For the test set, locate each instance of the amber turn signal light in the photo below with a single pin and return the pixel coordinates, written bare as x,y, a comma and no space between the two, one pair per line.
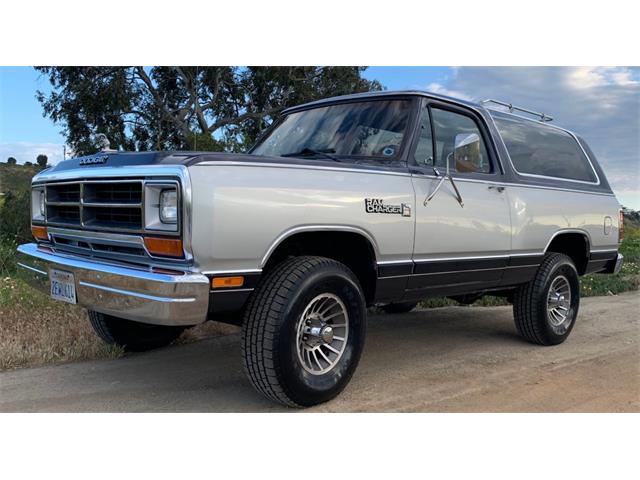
165,247
226,282
40,233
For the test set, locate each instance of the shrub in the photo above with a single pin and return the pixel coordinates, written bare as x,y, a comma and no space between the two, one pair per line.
15,222
7,258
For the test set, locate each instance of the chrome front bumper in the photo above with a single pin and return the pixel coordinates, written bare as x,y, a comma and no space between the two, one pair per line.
139,295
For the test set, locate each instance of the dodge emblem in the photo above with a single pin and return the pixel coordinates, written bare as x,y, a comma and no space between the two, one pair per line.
95,160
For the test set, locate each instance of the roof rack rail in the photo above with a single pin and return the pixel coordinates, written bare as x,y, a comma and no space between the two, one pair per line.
511,107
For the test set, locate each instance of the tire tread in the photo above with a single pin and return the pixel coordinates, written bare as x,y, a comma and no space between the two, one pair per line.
261,324
526,308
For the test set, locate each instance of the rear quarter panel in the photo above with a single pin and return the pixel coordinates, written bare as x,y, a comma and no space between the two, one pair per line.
538,214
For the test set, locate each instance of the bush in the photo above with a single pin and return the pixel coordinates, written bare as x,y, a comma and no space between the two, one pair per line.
15,222
7,258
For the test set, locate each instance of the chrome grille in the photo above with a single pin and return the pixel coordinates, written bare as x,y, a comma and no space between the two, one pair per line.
77,242
106,218
110,205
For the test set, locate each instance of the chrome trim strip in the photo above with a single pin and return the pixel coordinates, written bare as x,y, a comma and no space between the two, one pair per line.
107,205
232,291
226,272
33,269
478,257
445,259
116,172
137,294
446,272
569,230
604,250
91,235
510,184
317,228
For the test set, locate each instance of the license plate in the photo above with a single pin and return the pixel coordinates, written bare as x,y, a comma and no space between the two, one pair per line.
63,286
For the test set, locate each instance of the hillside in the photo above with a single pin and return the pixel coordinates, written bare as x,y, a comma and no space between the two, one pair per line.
16,178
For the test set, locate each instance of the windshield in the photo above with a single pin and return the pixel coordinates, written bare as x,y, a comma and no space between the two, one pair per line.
374,128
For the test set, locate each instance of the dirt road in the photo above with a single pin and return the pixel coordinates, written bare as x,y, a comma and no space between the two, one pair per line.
449,359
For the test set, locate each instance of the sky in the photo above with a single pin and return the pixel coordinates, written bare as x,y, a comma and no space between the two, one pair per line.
602,104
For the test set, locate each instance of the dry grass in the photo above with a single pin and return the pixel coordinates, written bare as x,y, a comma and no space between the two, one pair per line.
35,330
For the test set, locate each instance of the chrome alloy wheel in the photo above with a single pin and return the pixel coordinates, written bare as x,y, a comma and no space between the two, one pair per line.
559,305
322,333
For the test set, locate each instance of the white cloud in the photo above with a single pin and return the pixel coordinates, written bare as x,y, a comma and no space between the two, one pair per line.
601,104
442,90
29,151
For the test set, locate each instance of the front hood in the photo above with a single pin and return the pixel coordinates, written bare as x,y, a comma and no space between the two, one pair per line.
127,159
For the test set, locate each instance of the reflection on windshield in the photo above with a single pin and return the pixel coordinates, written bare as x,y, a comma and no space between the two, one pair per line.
367,129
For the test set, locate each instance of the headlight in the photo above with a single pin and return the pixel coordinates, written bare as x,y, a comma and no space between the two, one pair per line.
169,206
38,205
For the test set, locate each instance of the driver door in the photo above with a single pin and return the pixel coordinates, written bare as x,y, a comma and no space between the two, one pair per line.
460,246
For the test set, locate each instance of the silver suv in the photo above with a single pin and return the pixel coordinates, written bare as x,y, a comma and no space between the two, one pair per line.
373,199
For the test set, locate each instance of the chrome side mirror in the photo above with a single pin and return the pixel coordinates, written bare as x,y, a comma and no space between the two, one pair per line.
466,152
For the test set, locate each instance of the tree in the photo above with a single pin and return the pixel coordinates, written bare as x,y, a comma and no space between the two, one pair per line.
42,160
217,108
11,161
28,164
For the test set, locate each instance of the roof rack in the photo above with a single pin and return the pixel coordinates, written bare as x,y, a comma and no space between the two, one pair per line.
511,107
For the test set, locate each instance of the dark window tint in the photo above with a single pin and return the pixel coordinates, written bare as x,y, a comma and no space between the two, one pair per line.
458,138
538,149
424,149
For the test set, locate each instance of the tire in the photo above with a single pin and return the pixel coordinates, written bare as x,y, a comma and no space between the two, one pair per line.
533,302
402,307
132,336
276,345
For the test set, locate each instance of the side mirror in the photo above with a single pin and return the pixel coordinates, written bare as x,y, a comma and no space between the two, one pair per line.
466,153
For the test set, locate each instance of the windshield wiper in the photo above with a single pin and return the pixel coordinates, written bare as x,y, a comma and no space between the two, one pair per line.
306,152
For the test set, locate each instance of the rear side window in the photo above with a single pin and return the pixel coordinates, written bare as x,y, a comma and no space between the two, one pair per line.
537,149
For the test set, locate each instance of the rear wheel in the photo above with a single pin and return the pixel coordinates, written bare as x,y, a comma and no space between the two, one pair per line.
546,308
132,336
304,330
402,307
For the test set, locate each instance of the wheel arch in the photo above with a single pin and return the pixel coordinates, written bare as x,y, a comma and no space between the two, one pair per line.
575,243
353,246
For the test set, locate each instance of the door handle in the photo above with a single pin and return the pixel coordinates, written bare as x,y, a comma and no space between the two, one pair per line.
497,188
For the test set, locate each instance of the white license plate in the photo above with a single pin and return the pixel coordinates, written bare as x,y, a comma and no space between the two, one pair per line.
63,286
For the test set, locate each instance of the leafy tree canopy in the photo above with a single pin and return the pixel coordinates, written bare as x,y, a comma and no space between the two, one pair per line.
42,160
11,161
164,108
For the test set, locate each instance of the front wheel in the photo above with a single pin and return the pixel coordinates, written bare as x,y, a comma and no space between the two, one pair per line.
304,331
132,336
545,309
